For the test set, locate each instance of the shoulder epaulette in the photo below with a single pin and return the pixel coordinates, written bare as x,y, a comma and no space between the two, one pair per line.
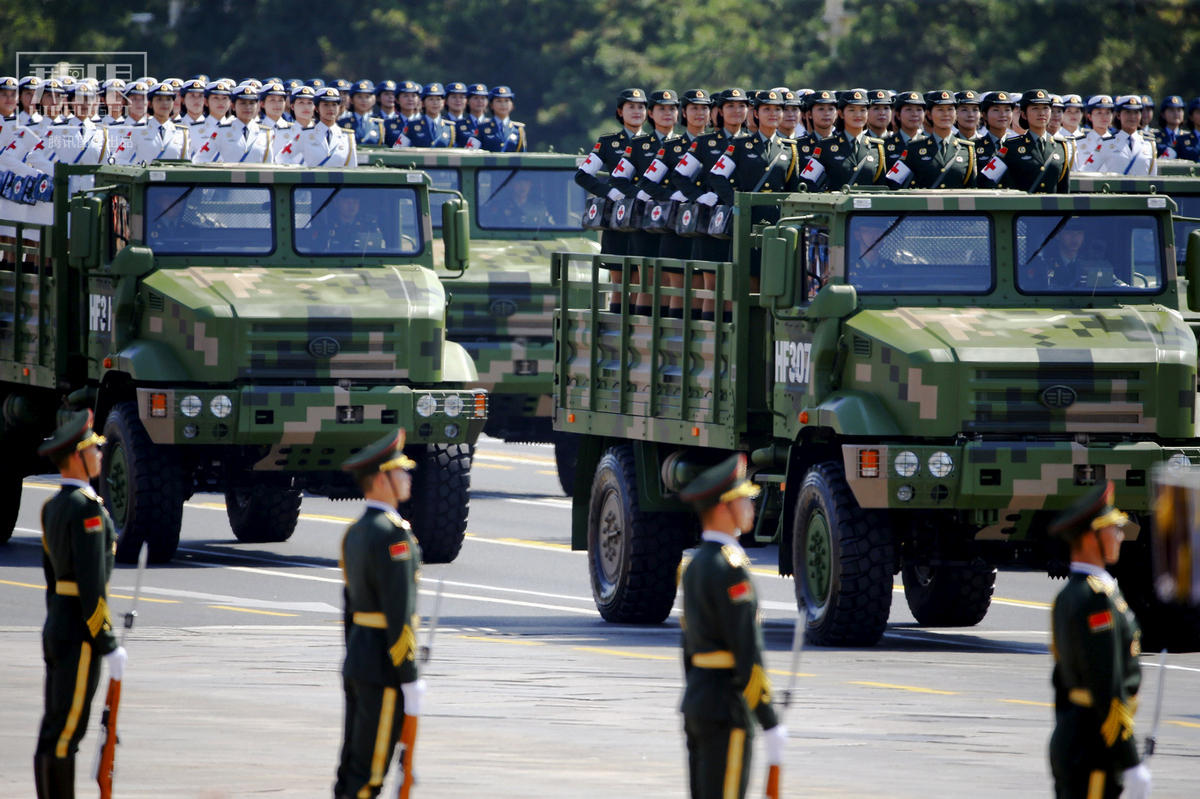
736,558
1099,586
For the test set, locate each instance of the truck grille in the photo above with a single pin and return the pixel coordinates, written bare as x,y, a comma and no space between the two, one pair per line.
317,348
1056,398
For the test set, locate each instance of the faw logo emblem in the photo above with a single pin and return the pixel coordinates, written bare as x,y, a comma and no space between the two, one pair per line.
1058,397
502,308
324,347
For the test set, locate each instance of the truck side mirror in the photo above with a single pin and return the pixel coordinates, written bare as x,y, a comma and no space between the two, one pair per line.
777,287
1192,270
456,233
85,231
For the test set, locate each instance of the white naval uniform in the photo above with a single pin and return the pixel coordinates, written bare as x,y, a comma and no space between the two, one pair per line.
78,142
234,142
326,146
1088,151
153,141
285,143
1125,154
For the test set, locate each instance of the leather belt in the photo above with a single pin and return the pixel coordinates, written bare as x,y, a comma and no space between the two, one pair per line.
720,659
364,619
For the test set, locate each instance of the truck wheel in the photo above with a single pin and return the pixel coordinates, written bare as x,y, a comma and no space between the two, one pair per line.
842,556
10,503
262,514
142,487
566,452
949,596
633,556
441,486
1164,624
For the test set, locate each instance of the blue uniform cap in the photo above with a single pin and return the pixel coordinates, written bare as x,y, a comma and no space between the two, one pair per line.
433,90
342,85
316,83
201,77
385,86
501,91
1171,101
408,87
456,87
363,87
477,90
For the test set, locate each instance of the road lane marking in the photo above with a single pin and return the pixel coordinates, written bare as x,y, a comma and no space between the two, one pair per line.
548,472
146,599
1185,724
500,639
916,689
492,456
22,585
545,503
783,673
493,466
252,610
246,602
624,653
1027,702
110,596
543,594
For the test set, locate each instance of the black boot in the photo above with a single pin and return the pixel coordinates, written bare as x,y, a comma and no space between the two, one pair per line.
41,774
62,778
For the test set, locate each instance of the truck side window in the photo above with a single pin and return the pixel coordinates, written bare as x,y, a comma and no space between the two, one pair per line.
118,224
815,246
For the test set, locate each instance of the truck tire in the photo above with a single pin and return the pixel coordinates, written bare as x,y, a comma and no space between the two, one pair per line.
566,453
441,487
10,503
633,556
262,514
842,556
949,595
1164,624
142,486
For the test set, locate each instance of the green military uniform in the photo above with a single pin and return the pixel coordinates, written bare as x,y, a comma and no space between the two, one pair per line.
1096,643
380,561
933,163
660,187
78,546
845,160
727,684
1036,165
606,154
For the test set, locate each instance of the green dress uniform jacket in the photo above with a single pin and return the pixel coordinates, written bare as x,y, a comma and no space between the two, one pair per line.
1096,643
610,149
727,684
895,144
380,560
759,164
986,146
950,165
78,546
1036,165
707,148
847,161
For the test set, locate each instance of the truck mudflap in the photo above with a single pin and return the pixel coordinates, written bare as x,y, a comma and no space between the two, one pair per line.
309,427
1012,476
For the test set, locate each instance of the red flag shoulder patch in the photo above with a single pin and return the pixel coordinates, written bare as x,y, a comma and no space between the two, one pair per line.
93,524
740,592
400,551
1098,622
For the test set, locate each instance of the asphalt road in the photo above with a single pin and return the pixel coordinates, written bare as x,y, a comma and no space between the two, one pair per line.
233,686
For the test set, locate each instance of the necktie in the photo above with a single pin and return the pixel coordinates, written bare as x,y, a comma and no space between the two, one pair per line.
328,136
245,132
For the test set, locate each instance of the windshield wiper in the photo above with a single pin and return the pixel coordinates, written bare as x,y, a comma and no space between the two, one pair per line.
178,200
883,235
321,208
512,174
1047,240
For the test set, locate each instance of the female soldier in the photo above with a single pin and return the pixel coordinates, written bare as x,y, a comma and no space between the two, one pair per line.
500,134
1128,151
1099,114
1173,140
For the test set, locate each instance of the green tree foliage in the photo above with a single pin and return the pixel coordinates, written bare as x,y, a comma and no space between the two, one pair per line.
567,59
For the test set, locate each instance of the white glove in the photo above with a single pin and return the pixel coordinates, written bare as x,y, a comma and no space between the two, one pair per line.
115,660
708,198
643,196
1137,782
775,739
678,197
413,692
615,195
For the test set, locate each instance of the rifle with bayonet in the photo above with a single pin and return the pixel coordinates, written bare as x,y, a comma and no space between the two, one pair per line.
107,755
408,731
774,771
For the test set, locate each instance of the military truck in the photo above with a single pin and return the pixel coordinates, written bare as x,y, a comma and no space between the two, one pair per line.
524,206
241,330
918,389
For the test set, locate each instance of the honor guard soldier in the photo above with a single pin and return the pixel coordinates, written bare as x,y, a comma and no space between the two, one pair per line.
380,562
997,108
80,140
53,104
654,182
344,87
1174,141
688,177
1095,643
822,107
1033,161
430,129
407,97
1069,130
273,99
27,100
478,95
466,124
500,134
939,159
850,156
967,115
218,94
193,118
909,113
113,93
304,106
606,155
1129,151
158,138
325,144
137,103
385,100
456,101
78,546
239,139
1099,115
879,113
366,129
727,686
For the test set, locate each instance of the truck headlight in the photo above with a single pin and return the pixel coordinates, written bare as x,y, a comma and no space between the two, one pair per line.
941,464
190,406
426,405
221,406
453,405
907,463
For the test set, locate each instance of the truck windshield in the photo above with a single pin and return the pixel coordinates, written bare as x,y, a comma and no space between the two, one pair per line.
529,199
1188,206
356,220
919,254
1088,254
227,220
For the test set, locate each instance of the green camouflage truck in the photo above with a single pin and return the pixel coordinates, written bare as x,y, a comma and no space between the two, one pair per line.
240,330
524,206
920,384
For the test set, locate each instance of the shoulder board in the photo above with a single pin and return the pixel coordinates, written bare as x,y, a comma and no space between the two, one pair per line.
1098,585
736,559
283,123
91,494
225,123
518,124
964,142
1012,137
873,140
